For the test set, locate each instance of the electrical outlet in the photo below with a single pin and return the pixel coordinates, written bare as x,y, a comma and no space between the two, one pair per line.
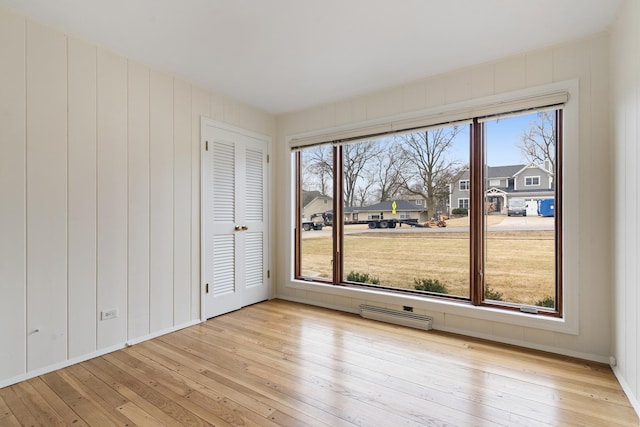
109,314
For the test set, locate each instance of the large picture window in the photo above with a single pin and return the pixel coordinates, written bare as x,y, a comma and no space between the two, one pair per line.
486,234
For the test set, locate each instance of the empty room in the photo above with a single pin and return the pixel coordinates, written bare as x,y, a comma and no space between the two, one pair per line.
336,213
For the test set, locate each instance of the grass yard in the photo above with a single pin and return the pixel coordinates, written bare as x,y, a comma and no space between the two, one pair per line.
519,264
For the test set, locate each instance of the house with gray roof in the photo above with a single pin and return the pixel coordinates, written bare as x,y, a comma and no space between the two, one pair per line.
314,202
530,182
389,209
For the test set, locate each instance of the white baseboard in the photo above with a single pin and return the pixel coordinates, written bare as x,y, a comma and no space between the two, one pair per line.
93,354
519,343
633,399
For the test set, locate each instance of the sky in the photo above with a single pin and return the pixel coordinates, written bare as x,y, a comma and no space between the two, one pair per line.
502,138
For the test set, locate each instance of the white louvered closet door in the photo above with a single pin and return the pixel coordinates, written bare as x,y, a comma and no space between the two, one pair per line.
234,254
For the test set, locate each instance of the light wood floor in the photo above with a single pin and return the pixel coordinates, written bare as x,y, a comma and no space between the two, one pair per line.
280,363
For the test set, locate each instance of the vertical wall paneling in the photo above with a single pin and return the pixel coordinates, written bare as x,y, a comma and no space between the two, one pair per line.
625,105
99,197
161,201
199,108
138,209
12,191
181,202
112,197
82,197
46,81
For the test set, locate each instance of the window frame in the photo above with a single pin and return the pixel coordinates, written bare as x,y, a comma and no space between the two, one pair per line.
475,205
532,177
467,185
571,249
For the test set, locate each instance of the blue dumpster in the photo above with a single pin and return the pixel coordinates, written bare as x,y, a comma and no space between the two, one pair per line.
546,207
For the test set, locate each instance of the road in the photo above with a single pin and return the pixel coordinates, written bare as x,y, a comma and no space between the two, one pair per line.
508,223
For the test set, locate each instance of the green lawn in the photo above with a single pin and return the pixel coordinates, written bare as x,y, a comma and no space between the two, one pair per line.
520,265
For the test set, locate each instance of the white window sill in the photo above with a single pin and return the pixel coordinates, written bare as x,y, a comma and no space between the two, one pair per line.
443,306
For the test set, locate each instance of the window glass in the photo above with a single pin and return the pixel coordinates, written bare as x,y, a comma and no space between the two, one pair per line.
520,231
531,181
407,206
405,245
315,243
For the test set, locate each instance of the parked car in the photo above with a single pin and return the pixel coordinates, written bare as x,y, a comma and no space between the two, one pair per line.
517,207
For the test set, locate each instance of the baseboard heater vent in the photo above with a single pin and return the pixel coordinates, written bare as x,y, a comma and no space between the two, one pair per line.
399,317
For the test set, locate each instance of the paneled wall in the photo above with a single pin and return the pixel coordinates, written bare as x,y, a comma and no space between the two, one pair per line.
625,77
585,61
99,197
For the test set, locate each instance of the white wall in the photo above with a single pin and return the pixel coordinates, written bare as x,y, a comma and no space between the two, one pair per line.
625,77
99,197
585,60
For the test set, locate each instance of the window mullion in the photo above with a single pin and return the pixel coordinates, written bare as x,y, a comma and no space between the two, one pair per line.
338,223
559,211
298,214
476,212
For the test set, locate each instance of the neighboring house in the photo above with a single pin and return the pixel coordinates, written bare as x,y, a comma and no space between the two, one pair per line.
413,199
404,209
442,204
315,202
529,182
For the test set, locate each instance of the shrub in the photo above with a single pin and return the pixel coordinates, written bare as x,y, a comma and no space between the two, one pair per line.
459,211
430,285
355,276
492,294
547,301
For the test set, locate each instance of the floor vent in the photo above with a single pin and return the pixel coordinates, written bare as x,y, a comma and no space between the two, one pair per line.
399,317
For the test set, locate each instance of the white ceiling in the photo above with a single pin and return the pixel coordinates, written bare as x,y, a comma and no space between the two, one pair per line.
286,55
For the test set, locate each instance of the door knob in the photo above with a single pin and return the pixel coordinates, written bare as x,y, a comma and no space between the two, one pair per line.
244,228
237,228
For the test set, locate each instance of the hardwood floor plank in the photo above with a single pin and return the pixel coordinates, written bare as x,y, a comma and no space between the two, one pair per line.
232,385
104,397
280,363
364,406
67,415
508,392
405,396
143,395
161,356
175,389
236,376
86,408
137,415
19,410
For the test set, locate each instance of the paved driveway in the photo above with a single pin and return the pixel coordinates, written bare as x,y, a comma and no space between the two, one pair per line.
514,223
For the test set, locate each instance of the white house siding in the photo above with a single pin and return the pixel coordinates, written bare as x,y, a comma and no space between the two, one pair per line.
100,185
317,205
585,60
622,214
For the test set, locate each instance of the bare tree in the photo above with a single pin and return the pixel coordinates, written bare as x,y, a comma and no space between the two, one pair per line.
317,169
364,193
429,164
355,160
538,144
388,170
